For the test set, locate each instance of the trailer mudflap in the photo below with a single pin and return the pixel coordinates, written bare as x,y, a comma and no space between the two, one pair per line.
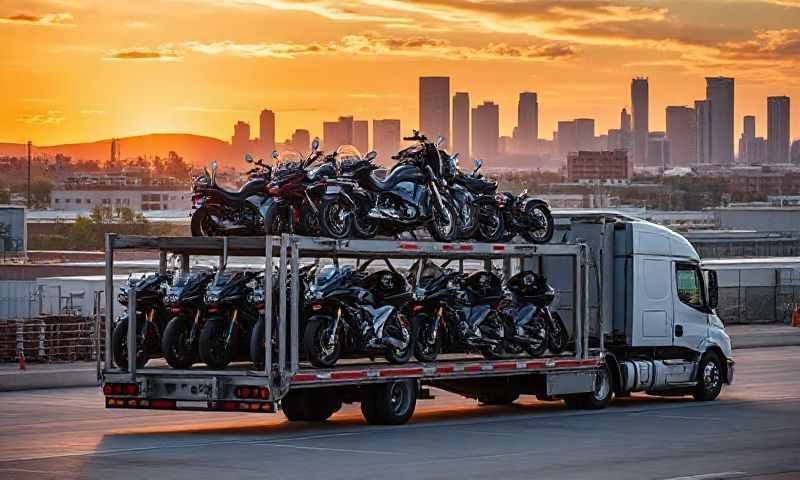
572,382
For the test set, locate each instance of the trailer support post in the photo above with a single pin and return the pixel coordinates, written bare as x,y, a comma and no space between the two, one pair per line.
184,262
295,306
162,262
577,305
132,320
282,309
109,297
268,311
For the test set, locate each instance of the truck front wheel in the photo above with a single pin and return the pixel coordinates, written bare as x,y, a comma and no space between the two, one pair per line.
598,398
709,378
390,404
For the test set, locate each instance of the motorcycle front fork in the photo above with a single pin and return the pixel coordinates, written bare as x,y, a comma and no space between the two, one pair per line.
231,329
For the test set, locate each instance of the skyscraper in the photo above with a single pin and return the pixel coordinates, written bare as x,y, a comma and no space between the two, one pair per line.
640,101
749,126
702,113
778,129
266,129
658,150
625,141
241,138
719,93
434,107
584,133
682,135
485,131
527,122
361,136
461,124
385,138
746,140
567,138
301,141
335,134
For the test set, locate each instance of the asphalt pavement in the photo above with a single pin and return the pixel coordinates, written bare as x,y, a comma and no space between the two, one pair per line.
752,431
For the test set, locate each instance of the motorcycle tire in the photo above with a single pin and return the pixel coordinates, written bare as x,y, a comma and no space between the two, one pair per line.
424,351
491,225
468,225
336,219
498,351
213,350
396,328
309,221
542,212
436,229
538,326
558,336
316,327
258,344
119,347
274,221
363,227
200,223
178,353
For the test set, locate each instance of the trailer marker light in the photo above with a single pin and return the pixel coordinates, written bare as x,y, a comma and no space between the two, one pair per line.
107,389
117,388
264,392
131,389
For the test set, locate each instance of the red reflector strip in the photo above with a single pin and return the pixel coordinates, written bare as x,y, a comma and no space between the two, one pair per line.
348,375
399,372
472,368
465,247
304,377
164,404
536,364
408,246
568,363
498,248
444,369
505,366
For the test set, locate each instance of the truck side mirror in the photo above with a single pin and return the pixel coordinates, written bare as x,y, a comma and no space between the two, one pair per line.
713,289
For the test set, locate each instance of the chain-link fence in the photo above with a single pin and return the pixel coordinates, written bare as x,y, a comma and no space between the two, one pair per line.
758,295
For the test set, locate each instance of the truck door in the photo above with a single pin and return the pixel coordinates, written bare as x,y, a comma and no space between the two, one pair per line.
690,319
653,302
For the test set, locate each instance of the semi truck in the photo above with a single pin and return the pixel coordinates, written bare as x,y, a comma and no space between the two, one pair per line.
637,303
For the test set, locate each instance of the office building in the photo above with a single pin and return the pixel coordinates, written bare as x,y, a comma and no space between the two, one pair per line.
386,138
658,150
301,141
527,131
434,107
335,134
584,134
614,140
567,137
461,124
719,94
240,141
266,129
361,136
485,131
598,166
702,115
682,135
640,102
747,142
625,139
778,129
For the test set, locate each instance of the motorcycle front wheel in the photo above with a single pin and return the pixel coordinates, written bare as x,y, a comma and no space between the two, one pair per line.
315,342
557,337
425,350
501,328
542,214
398,328
335,218
444,226
491,226
537,334
119,344
363,227
178,351
214,350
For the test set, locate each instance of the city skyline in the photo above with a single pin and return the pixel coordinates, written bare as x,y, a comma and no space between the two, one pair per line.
79,71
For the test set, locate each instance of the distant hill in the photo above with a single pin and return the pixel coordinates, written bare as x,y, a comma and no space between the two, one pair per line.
198,149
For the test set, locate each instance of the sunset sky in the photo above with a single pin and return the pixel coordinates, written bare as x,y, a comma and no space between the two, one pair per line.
81,70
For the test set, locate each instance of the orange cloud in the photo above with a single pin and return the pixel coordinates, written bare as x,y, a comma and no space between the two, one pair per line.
50,19
51,117
144,54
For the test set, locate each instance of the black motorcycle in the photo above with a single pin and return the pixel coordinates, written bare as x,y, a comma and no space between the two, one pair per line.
225,337
526,216
151,319
458,312
413,194
185,302
345,204
356,312
531,300
480,192
221,212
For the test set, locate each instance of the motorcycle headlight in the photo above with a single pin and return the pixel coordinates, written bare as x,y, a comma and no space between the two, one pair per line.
211,297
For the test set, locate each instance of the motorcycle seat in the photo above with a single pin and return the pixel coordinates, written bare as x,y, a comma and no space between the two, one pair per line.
252,187
396,175
477,185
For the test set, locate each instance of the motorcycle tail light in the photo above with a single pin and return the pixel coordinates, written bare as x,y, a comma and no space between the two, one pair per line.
213,309
175,310
418,308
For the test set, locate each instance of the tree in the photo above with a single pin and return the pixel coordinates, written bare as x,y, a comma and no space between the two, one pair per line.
100,215
175,166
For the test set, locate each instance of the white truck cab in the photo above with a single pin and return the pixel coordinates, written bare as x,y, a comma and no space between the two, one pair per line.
652,304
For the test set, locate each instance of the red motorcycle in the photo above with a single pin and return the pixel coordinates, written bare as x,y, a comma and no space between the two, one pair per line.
295,192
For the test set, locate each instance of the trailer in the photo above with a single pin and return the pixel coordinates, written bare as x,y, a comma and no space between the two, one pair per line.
639,307
387,393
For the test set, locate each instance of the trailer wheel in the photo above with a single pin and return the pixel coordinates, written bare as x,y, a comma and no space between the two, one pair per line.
598,398
299,406
709,378
390,404
498,398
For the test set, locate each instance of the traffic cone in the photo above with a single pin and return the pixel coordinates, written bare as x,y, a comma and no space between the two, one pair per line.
22,360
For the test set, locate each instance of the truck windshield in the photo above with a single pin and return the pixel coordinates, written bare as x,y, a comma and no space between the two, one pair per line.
690,290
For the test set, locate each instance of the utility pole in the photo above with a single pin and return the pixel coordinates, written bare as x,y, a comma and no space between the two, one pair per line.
29,174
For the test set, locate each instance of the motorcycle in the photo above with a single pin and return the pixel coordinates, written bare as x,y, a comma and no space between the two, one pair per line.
527,216
225,336
466,201
530,307
345,205
151,319
481,193
458,312
184,300
357,312
410,197
295,191
221,212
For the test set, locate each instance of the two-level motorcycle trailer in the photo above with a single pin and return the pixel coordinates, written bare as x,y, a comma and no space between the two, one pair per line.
387,392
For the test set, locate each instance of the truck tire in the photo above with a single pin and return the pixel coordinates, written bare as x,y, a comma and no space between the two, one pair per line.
709,378
598,398
390,403
503,397
300,406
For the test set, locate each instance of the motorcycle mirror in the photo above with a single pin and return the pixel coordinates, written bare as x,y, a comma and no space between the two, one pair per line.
439,141
213,165
371,155
275,154
315,144
478,164
454,157
248,158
